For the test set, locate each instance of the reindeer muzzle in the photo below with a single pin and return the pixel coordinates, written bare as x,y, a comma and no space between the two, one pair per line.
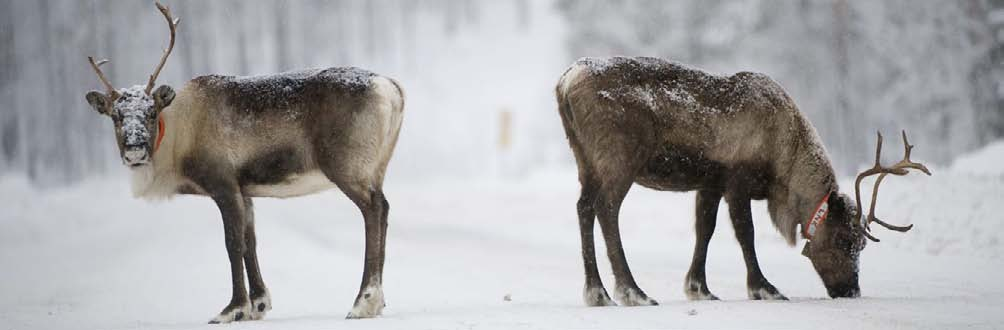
135,156
848,291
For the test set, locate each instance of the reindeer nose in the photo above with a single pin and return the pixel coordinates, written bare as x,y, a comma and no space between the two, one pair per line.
134,156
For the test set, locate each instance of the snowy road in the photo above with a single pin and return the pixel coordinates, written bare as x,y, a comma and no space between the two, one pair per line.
91,257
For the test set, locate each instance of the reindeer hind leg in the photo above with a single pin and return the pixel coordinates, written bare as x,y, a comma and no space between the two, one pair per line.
616,179
695,285
594,293
368,196
369,301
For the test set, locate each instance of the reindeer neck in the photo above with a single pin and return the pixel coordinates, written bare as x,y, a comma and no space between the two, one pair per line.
803,181
816,179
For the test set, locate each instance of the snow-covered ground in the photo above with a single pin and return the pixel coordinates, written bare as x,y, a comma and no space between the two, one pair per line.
91,257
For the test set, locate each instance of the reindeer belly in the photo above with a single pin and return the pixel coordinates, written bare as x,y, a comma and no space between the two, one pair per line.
282,172
292,186
678,169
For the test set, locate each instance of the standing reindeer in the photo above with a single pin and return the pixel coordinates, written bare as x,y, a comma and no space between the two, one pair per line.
669,127
234,138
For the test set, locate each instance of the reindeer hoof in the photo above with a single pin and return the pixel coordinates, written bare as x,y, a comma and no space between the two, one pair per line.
766,293
634,297
368,304
233,313
260,306
698,291
595,297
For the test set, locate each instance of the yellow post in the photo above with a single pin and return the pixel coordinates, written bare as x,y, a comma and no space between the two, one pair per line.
505,129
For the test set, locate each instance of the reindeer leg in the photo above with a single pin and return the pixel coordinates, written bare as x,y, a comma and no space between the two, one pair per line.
742,221
608,210
212,176
695,285
382,207
261,301
234,224
594,293
369,301
383,231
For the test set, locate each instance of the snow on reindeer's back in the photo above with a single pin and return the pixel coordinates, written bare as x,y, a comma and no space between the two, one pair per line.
288,89
656,83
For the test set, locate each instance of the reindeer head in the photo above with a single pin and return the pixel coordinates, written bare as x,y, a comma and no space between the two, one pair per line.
836,245
135,110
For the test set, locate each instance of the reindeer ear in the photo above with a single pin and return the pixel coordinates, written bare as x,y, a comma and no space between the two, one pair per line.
98,101
163,96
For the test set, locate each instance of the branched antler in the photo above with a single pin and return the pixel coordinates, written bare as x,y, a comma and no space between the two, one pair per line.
899,169
112,93
172,23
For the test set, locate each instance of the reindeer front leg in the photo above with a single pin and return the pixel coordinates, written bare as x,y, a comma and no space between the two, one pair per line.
217,180
261,301
232,209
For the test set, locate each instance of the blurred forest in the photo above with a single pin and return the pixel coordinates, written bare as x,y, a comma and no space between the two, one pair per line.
51,134
935,68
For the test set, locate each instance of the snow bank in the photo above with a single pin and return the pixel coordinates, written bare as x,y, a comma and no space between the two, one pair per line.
956,211
987,161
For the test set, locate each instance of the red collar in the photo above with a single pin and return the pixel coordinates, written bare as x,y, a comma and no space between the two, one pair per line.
160,133
818,216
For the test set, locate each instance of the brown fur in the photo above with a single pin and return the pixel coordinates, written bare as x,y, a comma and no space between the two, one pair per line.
666,126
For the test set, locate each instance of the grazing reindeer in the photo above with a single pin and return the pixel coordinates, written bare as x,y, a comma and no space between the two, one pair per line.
234,138
669,127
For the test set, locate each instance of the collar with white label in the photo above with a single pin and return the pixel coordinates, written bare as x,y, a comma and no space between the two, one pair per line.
818,216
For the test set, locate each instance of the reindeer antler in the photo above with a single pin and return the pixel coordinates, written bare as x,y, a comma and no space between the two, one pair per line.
899,169
172,23
112,93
